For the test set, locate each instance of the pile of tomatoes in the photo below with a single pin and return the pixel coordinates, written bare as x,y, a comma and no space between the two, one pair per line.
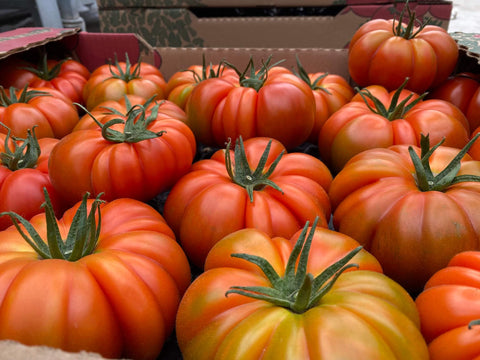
245,212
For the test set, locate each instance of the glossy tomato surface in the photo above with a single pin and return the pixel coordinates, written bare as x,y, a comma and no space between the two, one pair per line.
119,301
364,315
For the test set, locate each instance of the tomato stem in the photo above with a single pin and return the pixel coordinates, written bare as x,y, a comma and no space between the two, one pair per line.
395,110
303,74
42,70
426,180
407,32
243,175
81,239
23,156
297,290
252,78
135,126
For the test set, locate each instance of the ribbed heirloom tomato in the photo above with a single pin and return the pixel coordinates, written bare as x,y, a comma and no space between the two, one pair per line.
270,102
314,296
385,52
112,82
449,310
24,176
138,155
330,91
376,117
412,208
105,278
180,84
68,76
220,195
462,90
53,114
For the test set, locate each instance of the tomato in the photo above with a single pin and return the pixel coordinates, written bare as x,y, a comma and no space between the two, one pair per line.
112,82
463,90
180,85
119,109
68,76
24,175
412,208
217,197
253,302
385,52
49,110
111,287
268,103
448,308
376,117
331,92
138,156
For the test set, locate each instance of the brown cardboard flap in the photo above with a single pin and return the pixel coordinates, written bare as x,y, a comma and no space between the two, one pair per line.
95,49
334,61
22,39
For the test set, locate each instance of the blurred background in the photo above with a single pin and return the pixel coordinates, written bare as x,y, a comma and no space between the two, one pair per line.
84,14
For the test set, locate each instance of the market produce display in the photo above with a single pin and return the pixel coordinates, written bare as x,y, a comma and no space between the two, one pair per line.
245,210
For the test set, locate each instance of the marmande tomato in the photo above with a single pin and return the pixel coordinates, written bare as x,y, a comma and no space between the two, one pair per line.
109,286
112,82
68,76
412,208
137,156
462,90
180,84
449,311
270,102
53,114
220,195
24,176
254,302
385,52
376,117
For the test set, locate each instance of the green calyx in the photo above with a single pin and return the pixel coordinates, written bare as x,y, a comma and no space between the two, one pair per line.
82,237
407,31
297,290
25,152
129,73
42,70
473,323
252,78
242,173
396,110
207,71
25,96
303,74
135,125
426,180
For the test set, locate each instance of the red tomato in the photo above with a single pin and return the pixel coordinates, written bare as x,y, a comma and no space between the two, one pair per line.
115,294
216,198
463,90
112,82
385,52
381,118
180,85
413,217
447,307
138,157
49,110
331,92
68,76
23,177
224,315
268,103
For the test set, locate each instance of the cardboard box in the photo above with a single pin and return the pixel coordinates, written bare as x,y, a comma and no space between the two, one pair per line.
95,49
249,23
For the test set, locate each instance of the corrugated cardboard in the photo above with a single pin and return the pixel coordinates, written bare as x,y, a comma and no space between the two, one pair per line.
268,23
